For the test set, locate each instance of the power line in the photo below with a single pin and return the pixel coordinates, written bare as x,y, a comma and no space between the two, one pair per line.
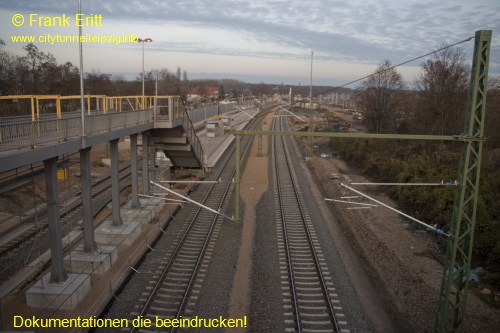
395,66
379,72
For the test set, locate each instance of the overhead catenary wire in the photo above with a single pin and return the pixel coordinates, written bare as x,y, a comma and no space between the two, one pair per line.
351,202
243,110
192,181
438,231
395,66
446,184
193,201
356,208
389,68
166,199
293,114
257,116
373,74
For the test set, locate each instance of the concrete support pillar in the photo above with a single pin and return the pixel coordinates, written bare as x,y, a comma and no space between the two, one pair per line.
89,244
133,161
145,163
115,183
58,274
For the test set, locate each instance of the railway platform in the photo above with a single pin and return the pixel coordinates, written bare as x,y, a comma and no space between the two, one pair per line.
215,146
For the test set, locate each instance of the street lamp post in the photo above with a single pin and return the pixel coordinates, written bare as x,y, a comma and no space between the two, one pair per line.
80,53
145,40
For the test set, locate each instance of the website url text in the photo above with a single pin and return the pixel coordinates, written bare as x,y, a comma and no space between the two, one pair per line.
85,38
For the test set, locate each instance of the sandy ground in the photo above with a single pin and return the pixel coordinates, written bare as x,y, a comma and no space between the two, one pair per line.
254,183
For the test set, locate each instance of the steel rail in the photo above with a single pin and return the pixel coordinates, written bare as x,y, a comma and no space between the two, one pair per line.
300,205
285,239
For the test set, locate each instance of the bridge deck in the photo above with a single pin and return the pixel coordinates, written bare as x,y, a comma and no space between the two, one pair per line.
36,137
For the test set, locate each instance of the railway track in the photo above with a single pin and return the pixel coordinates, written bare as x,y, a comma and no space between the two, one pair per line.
309,297
33,239
173,288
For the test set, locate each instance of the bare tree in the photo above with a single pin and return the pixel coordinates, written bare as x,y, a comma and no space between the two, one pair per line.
494,82
261,89
381,97
492,113
98,83
443,86
7,72
34,58
168,83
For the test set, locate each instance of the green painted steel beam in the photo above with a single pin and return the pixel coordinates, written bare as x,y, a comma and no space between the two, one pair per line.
454,287
458,138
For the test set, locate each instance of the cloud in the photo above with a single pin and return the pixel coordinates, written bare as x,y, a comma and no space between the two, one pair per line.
355,31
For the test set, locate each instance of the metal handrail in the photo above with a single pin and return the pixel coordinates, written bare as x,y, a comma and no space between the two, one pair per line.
19,132
26,131
190,131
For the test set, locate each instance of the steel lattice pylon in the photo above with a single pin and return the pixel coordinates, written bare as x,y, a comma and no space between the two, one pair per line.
453,297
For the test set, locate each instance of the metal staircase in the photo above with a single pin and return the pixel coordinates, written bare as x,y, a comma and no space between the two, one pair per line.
180,144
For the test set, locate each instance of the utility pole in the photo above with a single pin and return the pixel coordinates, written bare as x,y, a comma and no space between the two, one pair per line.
80,53
310,138
454,287
142,41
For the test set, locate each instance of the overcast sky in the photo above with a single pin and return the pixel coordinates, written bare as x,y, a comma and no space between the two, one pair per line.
261,41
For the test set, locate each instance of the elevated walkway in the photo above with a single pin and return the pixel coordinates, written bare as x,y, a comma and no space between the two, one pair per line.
39,136
115,244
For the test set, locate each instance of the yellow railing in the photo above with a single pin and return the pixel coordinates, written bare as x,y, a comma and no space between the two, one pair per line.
92,102
16,97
